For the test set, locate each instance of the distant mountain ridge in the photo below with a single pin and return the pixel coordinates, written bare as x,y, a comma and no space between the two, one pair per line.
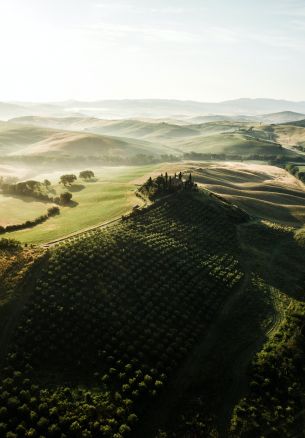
149,108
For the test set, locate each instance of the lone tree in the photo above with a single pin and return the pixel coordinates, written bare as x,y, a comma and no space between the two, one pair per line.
86,174
67,179
65,198
47,183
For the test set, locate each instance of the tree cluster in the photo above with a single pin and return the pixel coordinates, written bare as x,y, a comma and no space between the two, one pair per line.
166,184
86,174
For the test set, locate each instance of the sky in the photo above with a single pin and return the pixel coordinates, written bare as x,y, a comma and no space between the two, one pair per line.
203,50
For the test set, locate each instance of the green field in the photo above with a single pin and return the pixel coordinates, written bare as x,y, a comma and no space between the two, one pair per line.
229,143
110,196
16,210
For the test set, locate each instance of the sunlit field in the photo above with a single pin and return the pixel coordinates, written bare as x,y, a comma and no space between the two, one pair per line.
16,210
111,195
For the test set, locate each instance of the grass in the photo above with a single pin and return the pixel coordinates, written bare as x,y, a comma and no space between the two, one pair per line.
290,135
112,195
262,190
233,143
16,210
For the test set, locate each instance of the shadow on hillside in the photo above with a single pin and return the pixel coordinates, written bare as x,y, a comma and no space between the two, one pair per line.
27,199
92,180
72,204
276,256
76,187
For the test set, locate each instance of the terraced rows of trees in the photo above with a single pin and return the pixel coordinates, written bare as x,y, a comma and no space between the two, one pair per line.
112,317
275,404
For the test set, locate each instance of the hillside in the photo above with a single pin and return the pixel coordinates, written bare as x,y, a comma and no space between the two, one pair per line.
230,143
131,324
114,109
299,123
75,123
145,130
282,117
262,191
79,144
149,129
124,138
29,140
14,137
290,134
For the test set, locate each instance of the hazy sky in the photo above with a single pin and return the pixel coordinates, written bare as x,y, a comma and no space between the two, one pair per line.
206,50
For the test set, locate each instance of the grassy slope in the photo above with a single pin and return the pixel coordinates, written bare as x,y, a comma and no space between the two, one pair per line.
135,136
14,137
263,191
111,196
161,131
16,210
136,292
290,135
34,140
204,234
67,123
299,123
229,143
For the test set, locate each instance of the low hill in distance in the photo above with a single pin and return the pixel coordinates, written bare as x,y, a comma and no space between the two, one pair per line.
300,123
148,129
15,137
75,123
281,117
112,109
221,136
29,140
231,143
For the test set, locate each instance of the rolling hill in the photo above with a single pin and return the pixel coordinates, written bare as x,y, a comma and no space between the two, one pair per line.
111,109
151,130
231,143
282,117
28,140
15,137
136,329
300,123
75,123
263,191
291,134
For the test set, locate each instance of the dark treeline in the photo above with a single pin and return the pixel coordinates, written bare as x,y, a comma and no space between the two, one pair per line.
295,170
271,158
52,211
